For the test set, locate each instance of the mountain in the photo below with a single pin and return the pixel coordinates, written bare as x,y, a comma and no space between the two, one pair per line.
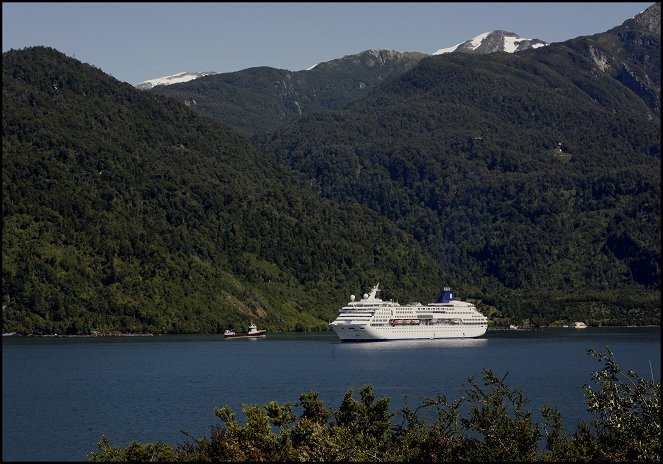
533,178
528,181
629,53
494,41
258,99
488,42
126,211
174,79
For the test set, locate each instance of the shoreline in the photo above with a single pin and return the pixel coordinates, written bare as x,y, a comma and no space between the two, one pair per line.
93,335
121,334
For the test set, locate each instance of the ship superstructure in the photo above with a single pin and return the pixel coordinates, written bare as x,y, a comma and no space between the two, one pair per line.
372,319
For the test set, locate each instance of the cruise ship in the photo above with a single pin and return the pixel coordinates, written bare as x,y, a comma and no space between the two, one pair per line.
371,319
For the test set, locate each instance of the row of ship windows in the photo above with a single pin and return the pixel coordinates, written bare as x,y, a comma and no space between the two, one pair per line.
439,320
408,317
382,324
460,329
406,310
411,314
368,318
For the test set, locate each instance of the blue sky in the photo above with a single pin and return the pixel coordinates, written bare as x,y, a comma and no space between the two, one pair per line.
135,42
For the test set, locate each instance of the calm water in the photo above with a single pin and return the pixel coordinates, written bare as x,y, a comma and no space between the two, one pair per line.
60,395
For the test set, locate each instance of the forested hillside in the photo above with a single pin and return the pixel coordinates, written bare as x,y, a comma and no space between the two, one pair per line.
533,178
530,182
126,211
260,99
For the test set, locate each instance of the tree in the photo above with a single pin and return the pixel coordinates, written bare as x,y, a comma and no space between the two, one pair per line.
496,427
628,426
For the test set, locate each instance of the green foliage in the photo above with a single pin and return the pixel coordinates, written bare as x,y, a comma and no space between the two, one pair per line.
257,100
628,426
522,174
490,424
125,211
498,415
362,426
137,452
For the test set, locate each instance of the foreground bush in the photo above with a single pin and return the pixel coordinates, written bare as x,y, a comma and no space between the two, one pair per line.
491,424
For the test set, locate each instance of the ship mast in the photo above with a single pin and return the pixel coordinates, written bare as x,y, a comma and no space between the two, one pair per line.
374,292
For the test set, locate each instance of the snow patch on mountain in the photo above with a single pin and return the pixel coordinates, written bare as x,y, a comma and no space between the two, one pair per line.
174,79
488,42
478,40
493,41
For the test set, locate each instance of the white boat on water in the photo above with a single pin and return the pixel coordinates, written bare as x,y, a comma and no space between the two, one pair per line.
372,319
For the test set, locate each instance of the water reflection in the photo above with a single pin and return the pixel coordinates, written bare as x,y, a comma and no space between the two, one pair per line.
425,343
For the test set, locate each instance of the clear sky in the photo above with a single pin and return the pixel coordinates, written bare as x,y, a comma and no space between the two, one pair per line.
135,42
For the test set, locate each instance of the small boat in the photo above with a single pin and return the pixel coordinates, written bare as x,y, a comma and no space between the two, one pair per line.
252,333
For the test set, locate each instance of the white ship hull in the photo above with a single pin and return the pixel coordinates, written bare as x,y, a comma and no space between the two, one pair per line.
372,319
364,333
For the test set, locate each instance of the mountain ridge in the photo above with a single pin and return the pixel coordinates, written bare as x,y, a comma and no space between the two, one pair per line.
488,42
257,100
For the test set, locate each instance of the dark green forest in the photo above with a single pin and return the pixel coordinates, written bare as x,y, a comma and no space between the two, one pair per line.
128,212
259,99
532,178
529,182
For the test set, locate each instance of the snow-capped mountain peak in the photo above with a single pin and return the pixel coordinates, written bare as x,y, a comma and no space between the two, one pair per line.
174,79
488,42
494,41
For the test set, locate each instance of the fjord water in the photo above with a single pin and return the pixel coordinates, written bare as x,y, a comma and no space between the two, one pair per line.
60,395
